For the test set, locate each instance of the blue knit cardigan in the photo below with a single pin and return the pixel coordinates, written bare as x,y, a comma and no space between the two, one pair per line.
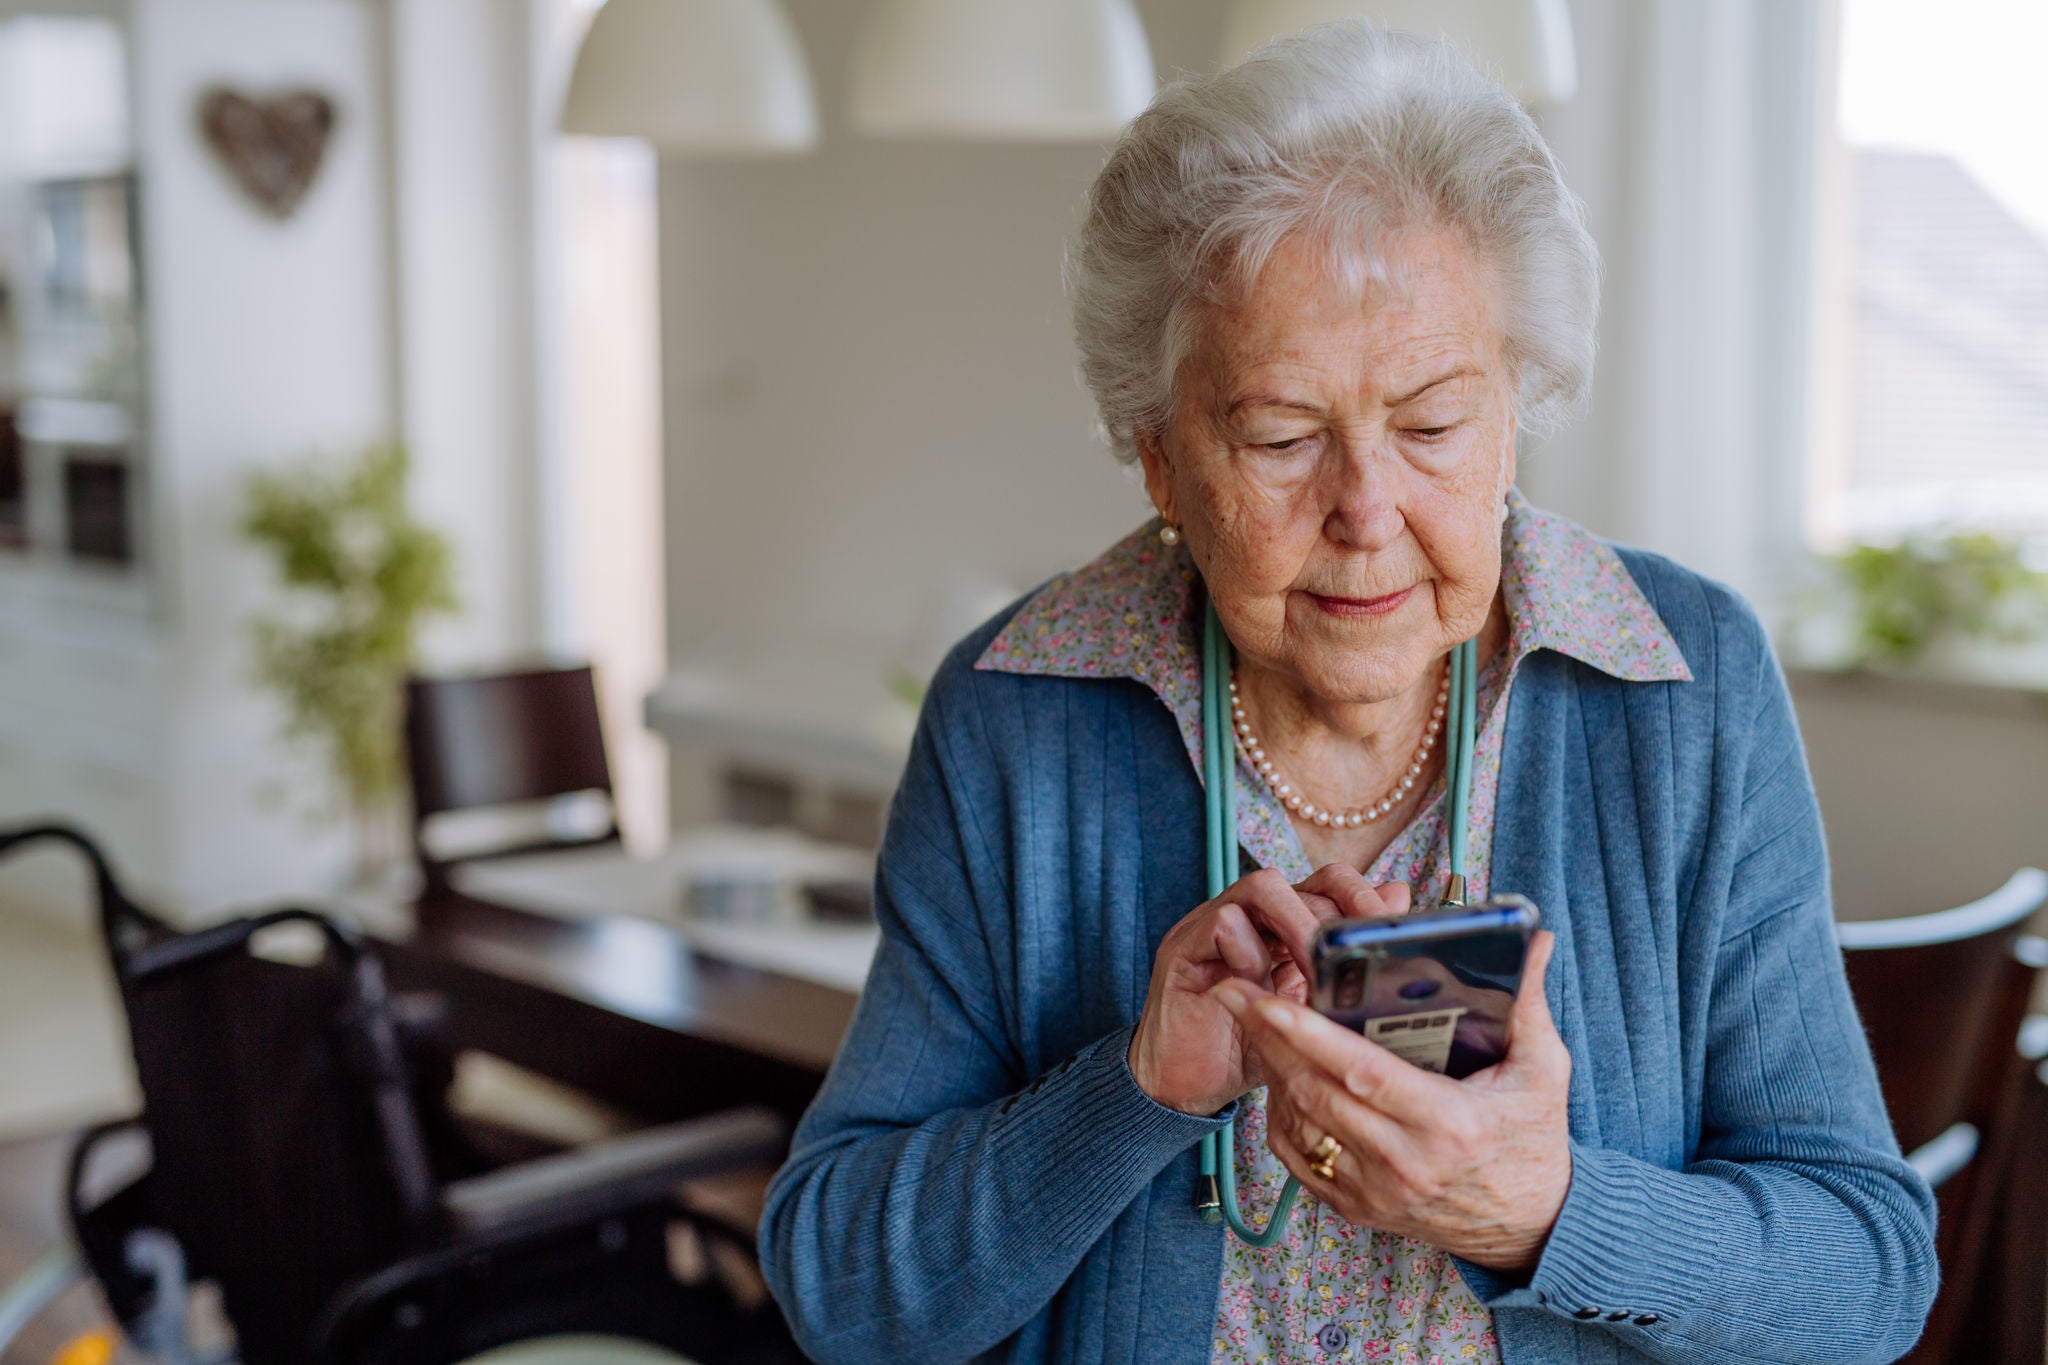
981,1176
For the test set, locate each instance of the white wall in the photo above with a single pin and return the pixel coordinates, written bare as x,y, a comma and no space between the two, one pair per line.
869,378
605,598
599,326
268,342
460,83
1931,791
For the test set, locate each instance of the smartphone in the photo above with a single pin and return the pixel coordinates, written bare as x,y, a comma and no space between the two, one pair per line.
1435,987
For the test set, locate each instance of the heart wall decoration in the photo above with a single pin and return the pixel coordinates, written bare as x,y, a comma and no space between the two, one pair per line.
272,146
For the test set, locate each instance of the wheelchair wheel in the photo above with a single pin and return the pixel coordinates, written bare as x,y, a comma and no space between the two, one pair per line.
578,1350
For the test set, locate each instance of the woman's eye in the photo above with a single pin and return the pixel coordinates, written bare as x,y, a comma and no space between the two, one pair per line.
1288,446
1429,433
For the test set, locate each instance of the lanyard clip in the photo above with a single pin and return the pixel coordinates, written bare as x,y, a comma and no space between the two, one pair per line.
1454,894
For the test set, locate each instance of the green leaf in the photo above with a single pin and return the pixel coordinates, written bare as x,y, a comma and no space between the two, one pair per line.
1969,582
359,576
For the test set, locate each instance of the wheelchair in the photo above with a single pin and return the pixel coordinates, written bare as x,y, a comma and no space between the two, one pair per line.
297,1153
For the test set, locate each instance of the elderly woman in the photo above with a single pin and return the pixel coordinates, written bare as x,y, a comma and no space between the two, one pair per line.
1318,296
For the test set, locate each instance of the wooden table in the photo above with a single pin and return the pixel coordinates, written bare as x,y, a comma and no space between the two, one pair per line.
621,1008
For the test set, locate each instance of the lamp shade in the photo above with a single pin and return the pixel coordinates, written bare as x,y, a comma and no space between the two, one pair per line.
697,77
1023,70
1527,43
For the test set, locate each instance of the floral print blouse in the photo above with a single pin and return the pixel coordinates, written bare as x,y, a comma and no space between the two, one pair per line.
1330,1291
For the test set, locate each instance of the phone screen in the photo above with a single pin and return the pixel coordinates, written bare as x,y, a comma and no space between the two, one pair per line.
1436,989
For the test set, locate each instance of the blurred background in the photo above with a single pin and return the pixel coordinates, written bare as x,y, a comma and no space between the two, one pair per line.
431,426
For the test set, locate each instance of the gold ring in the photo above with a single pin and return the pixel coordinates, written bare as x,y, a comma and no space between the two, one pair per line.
1325,1154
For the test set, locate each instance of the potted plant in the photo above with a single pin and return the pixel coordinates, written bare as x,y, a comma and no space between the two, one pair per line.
360,575
1949,603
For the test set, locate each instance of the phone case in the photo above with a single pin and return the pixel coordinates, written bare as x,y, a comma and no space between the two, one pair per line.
1436,988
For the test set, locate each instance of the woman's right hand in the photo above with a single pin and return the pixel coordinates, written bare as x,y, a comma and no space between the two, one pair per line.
1188,1052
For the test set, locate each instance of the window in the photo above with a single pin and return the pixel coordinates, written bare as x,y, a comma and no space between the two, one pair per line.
1935,304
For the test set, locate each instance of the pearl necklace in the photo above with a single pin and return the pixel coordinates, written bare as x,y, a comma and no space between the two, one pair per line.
1297,804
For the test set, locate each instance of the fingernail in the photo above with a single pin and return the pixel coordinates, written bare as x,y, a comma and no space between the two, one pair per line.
1276,1014
1232,995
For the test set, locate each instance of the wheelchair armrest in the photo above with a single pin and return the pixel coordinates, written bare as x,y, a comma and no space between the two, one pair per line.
36,1289
1942,1155
614,1176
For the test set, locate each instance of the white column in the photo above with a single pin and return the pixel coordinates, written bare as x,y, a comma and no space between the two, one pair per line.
462,245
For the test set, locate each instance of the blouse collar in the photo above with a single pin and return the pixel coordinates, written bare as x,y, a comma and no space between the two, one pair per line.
1131,613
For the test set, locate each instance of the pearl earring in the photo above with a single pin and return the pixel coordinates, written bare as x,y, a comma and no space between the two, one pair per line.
1169,534
1503,514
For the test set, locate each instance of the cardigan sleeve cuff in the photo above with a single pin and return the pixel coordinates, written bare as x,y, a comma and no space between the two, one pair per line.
1615,1255
1094,1132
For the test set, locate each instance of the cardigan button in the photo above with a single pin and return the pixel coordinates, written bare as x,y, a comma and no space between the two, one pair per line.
1621,1315
1647,1319
1585,1314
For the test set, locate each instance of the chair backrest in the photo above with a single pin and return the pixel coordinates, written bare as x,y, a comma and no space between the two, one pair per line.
502,740
1942,997
287,1155
13,507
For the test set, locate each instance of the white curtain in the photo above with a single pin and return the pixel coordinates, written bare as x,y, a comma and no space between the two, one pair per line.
1696,140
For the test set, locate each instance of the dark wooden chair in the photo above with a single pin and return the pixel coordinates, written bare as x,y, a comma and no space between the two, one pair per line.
502,741
2012,1320
1943,998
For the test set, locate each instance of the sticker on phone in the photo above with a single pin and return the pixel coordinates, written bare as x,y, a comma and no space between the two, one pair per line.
1423,1039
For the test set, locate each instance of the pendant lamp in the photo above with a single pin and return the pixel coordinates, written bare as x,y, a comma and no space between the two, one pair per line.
1001,70
1527,43
704,78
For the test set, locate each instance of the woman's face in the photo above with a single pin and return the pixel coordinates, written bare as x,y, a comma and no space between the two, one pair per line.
1338,467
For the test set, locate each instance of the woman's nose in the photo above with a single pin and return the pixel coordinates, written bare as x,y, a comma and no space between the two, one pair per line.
1362,509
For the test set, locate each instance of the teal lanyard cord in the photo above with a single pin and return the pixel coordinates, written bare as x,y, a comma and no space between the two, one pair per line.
1219,769
1461,723
1218,1197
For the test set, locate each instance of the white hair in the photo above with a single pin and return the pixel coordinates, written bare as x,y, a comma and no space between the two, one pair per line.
1348,134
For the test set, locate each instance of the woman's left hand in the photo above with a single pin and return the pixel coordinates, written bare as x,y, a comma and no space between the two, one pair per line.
1478,1167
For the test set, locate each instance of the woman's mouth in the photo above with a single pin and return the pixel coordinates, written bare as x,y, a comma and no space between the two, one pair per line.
1357,608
